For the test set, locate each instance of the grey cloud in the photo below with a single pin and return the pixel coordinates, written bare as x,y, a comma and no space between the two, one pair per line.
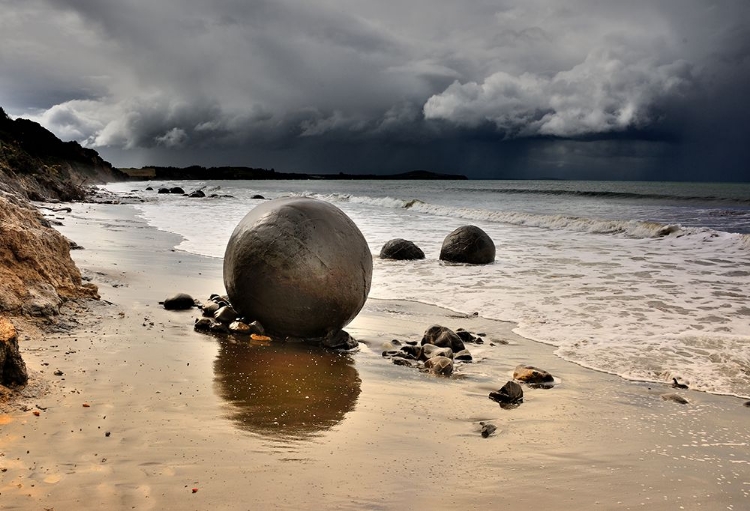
421,81
604,93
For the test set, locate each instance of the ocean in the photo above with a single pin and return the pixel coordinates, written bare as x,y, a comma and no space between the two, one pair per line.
645,280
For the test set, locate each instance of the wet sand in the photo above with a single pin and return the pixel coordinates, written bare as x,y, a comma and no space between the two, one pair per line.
259,426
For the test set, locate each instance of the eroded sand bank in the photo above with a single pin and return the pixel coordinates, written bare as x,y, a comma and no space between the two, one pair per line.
285,427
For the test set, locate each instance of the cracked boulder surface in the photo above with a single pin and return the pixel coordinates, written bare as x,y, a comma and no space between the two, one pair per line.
298,265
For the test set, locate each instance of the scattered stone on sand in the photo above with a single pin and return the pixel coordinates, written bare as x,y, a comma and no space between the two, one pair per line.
431,351
203,324
401,250
238,327
226,314
210,308
509,394
441,366
531,374
464,356
12,367
675,397
678,385
180,301
487,429
58,372
404,362
340,340
310,260
443,337
468,244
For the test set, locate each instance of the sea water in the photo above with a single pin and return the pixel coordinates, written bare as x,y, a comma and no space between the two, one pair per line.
649,281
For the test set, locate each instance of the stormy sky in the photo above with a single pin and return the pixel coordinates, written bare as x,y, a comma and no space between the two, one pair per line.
585,89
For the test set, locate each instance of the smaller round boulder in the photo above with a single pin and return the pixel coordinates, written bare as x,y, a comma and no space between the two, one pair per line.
401,250
468,244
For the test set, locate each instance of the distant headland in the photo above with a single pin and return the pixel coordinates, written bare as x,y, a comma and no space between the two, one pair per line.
225,173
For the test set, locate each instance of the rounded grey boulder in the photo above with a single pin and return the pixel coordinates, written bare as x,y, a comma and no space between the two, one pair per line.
401,250
300,266
468,244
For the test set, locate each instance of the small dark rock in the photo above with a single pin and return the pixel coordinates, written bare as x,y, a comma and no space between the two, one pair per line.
340,340
509,394
197,193
431,351
226,314
107,434
463,355
257,328
396,342
531,374
441,366
404,362
218,327
414,351
203,324
163,190
210,309
443,337
465,336
149,188
257,197
180,301
176,189
468,244
747,404
487,429
401,250
678,385
58,373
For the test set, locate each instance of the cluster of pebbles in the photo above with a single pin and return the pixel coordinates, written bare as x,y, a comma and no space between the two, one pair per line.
438,351
219,317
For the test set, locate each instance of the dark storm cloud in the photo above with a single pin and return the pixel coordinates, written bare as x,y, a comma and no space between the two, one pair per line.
495,88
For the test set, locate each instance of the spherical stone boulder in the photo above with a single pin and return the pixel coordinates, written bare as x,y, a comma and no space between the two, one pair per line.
468,244
401,250
300,266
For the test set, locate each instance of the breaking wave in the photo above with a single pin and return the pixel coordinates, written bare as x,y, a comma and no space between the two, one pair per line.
629,228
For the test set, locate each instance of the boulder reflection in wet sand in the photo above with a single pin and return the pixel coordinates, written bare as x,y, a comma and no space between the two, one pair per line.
285,389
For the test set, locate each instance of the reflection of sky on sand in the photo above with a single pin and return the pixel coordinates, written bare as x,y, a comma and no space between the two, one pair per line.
285,389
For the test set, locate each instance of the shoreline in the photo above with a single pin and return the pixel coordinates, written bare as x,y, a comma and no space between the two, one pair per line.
169,398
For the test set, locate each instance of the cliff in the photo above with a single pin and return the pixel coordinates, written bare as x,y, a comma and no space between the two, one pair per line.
39,166
37,274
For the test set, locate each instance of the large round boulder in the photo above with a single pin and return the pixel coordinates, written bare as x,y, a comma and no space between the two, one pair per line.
468,244
300,266
401,250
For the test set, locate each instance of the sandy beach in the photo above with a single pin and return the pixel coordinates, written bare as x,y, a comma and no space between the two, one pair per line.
149,414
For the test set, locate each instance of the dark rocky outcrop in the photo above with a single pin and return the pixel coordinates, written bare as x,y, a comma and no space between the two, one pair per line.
38,166
300,266
401,250
468,244
12,367
197,194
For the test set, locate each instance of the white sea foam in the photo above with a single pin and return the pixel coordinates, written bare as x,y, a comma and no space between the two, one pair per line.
645,300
